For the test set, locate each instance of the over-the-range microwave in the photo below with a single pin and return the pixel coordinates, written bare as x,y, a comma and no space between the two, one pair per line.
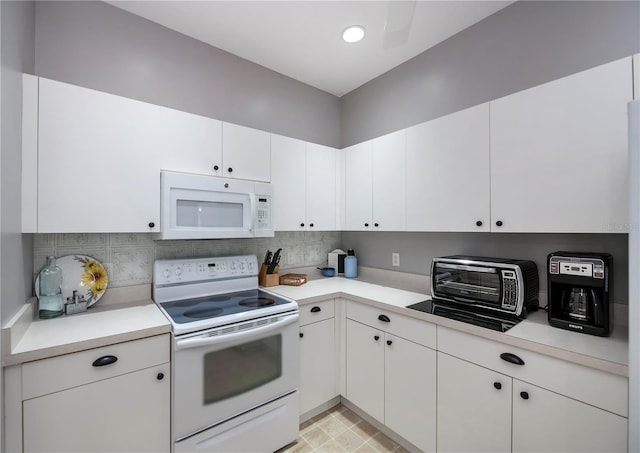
208,207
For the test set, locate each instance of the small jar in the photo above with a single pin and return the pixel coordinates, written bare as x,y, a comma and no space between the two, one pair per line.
50,303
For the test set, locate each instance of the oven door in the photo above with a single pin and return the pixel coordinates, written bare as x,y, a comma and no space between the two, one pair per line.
467,283
224,372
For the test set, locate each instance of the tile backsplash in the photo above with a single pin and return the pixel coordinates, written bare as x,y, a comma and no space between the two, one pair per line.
129,258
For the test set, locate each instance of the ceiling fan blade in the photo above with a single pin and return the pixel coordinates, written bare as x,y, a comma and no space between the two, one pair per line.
398,23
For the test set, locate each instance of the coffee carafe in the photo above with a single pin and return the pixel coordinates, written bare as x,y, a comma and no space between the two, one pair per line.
579,290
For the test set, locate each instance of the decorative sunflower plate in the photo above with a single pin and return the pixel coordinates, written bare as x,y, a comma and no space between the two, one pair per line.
83,274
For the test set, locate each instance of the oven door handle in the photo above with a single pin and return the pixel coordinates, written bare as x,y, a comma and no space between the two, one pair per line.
206,340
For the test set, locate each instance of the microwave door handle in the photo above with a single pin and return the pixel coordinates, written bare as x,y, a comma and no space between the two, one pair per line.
204,340
254,211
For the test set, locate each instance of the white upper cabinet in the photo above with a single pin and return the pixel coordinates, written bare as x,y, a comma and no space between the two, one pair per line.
304,185
448,172
321,187
389,182
97,163
246,153
358,186
636,76
288,176
375,184
559,154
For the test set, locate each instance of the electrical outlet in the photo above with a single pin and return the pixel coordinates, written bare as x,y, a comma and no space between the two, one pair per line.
395,259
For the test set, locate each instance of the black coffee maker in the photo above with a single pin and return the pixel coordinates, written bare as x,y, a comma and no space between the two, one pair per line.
580,292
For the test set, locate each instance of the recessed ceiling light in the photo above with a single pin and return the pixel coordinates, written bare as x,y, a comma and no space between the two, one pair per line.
353,34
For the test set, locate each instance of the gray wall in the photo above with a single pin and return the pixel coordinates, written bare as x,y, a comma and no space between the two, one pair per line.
523,45
16,249
99,46
418,249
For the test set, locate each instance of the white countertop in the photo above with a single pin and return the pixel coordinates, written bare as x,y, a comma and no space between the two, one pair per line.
26,339
534,333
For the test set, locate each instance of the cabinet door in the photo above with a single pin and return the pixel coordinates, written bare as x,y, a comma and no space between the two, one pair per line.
317,364
410,391
448,173
474,408
288,163
358,186
100,155
544,421
365,368
246,153
122,414
321,187
559,154
389,182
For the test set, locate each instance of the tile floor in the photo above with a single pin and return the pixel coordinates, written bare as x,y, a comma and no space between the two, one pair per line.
340,430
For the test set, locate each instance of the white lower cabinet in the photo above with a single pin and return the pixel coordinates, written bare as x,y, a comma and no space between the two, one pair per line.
488,404
318,378
391,378
72,404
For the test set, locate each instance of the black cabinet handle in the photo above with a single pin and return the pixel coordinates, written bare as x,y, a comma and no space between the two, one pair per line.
151,224
230,170
384,318
311,225
524,395
160,376
389,342
315,309
497,385
366,224
105,360
376,225
479,223
302,224
301,334
216,168
511,358
377,337
499,223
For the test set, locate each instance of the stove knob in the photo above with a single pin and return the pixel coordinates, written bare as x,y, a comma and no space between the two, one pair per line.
166,273
233,265
241,266
178,271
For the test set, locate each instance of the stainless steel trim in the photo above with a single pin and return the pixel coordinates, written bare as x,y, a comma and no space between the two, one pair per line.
486,270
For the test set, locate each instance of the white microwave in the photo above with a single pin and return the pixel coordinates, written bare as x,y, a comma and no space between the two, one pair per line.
208,207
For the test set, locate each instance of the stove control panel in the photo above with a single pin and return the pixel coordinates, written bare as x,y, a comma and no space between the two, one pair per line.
166,272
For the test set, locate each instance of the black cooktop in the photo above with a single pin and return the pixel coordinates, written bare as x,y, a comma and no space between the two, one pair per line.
477,318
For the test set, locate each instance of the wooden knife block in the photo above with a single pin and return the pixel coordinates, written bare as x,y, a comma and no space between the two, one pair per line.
265,279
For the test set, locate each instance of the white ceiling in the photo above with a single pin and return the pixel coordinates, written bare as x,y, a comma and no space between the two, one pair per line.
302,39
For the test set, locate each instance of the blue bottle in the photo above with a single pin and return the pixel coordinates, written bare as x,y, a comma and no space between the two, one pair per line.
350,264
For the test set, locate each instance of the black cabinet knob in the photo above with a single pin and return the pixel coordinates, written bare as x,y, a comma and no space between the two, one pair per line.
302,224
499,223
226,185
384,318
152,224
311,225
216,168
315,309
524,395
301,335
479,223
497,385
366,224
376,225
160,376
230,170
377,337
389,342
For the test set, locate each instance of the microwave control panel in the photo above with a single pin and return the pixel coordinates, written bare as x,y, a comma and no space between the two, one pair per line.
510,290
263,212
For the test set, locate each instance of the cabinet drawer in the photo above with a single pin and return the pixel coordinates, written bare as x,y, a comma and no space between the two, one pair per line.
411,329
63,372
595,387
317,312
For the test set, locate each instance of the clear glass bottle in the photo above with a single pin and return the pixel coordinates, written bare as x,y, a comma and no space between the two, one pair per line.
50,303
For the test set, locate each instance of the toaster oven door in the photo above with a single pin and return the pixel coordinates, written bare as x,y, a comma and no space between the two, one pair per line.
467,283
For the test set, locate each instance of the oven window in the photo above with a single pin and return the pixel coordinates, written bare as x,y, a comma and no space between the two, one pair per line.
209,214
232,371
467,284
